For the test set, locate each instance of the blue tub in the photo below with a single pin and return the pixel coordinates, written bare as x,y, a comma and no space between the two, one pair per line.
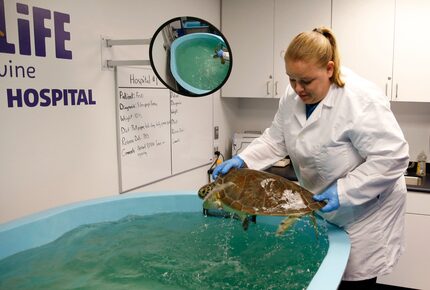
44,227
192,63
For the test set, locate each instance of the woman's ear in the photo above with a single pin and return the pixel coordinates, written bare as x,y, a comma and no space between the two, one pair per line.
330,68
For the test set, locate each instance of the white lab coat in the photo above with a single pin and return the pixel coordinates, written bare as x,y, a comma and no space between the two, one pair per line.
352,137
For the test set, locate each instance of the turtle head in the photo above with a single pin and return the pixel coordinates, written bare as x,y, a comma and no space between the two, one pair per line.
205,190
210,195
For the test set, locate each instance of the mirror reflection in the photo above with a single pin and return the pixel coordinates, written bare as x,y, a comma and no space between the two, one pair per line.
190,56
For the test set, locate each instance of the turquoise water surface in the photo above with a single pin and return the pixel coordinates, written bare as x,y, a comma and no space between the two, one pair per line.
197,66
171,251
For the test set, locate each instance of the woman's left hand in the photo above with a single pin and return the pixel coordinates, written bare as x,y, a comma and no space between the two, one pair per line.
331,196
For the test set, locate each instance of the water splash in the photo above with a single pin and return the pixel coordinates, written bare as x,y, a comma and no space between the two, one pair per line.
197,66
170,251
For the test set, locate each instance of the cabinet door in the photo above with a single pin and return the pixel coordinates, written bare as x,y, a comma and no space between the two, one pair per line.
411,54
412,271
291,18
248,27
364,30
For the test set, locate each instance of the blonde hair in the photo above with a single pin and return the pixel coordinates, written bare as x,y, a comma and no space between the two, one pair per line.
319,46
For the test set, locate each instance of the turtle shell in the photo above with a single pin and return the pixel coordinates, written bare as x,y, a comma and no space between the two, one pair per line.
262,193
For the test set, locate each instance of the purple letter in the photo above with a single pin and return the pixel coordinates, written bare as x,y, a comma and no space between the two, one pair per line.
23,30
40,31
90,93
4,45
11,98
27,99
44,94
61,36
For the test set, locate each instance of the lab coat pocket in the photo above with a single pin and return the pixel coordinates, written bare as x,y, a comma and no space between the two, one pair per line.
333,162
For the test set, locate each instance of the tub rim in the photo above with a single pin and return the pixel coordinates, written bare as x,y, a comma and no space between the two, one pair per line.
328,274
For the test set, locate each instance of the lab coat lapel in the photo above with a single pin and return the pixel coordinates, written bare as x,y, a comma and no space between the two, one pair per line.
327,102
300,111
316,114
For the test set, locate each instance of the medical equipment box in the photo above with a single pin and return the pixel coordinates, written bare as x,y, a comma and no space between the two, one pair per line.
242,140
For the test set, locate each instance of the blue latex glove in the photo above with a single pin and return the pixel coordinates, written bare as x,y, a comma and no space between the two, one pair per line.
220,53
331,196
223,168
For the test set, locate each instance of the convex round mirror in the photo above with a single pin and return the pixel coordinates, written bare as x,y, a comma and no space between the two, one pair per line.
190,56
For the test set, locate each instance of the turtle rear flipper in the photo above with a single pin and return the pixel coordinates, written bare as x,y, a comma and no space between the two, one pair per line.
245,224
287,223
314,224
247,220
244,218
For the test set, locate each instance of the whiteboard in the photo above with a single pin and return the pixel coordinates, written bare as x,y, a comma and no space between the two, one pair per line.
159,133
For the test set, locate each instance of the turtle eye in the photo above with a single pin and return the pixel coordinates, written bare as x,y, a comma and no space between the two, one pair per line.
202,193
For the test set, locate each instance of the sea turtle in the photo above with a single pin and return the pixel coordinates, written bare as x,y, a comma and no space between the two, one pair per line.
220,48
246,192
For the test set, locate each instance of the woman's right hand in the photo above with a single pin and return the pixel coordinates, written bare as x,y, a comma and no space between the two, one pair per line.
223,168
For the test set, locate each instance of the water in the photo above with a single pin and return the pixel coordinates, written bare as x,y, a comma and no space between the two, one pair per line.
170,251
197,66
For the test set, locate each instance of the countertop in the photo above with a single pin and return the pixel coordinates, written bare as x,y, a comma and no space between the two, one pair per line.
288,172
424,187
425,184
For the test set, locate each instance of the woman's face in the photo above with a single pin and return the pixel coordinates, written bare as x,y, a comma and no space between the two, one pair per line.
310,81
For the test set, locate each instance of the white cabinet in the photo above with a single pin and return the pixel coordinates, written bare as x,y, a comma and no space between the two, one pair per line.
412,270
386,41
291,18
364,30
248,27
411,54
259,32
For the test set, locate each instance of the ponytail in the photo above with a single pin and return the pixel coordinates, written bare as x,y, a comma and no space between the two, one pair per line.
318,45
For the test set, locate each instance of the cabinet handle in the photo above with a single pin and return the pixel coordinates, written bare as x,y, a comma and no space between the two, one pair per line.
282,54
276,88
397,88
267,88
386,89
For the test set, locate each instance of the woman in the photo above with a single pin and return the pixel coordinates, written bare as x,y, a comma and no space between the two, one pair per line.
344,144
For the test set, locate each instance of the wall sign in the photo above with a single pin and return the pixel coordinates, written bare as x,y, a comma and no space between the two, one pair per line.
35,38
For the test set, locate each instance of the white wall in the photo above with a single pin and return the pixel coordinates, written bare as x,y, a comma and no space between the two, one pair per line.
57,155
413,118
51,156
255,114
